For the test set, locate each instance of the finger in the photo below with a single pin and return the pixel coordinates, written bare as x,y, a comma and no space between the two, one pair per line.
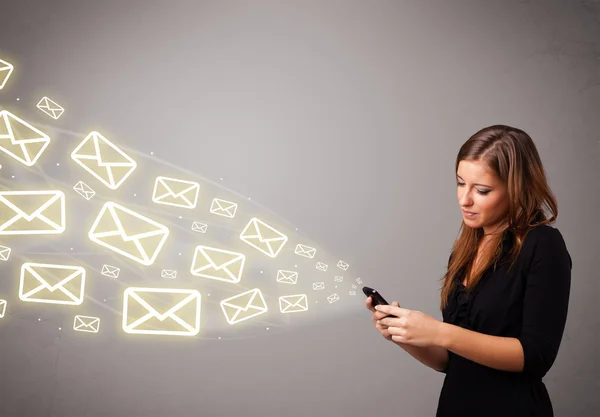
395,304
369,304
390,309
379,315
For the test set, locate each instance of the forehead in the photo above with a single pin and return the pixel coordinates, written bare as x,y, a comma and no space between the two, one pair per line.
476,171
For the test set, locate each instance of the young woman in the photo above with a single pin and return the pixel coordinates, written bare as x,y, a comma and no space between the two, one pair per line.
505,295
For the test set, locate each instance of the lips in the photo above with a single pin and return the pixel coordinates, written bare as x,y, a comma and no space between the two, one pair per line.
468,212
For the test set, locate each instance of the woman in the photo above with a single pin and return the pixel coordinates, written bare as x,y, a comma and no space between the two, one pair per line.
505,295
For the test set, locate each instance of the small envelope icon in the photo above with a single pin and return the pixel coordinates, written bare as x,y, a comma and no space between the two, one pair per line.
223,208
244,306
84,190
333,298
110,271
351,292
52,284
219,264
354,286
5,70
287,277
338,279
161,311
20,140
305,251
101,158
342,265
199,227
318,286
4,253
174,192
32,212
263,237
2,308
86,324
293,303
358,281
321,266
168,273
128,233
50,108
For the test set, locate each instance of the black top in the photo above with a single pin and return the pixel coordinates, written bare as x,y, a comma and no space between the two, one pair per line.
530,303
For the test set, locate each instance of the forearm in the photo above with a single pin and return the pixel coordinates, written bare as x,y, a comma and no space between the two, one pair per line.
502,353
435,357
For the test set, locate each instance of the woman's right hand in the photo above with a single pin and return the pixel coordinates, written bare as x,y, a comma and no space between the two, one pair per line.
378,315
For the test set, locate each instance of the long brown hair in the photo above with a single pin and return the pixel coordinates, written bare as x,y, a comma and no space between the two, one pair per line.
511,154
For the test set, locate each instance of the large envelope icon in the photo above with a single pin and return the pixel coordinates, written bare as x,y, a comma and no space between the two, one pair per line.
5,70
128,233
223,208
293,303
86,324
84,190
50,108
263,237
287,277
2,308
244,306
32,212
305,251
4,253
219,264
52,284
20,140
174,192
101,158
161,311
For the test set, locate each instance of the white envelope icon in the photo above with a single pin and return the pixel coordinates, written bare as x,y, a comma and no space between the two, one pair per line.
128,233
358,281
305,251
110,271
101,158
223,208
86,324
351,292
293,303
219,264
338,279
199,227
333,298
52,284
50,108
354,286
20,140
321,266
318,286
2,308
174,192
287,277
5,70
263,237
32,212
4,253
244,306
84,190
168,273
342,265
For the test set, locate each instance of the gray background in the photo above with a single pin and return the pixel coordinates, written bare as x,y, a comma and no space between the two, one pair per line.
340,118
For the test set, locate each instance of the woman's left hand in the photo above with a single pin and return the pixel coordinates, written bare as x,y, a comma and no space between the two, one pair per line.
411,327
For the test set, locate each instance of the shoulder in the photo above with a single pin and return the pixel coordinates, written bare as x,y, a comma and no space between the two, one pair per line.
546,241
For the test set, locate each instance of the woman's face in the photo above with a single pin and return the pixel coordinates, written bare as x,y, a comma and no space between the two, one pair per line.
480,191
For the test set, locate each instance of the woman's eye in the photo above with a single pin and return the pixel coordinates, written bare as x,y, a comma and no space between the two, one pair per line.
479,191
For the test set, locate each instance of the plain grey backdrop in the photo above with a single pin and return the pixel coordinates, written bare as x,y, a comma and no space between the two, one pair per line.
342,118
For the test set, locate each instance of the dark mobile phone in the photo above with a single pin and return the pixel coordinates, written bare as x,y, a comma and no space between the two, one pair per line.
376,298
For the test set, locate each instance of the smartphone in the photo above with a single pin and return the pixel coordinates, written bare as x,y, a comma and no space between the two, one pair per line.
376,298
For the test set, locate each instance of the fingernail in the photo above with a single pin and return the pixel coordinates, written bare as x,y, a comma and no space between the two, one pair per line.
376,307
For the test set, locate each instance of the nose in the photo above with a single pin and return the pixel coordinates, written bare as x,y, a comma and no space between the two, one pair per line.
465,199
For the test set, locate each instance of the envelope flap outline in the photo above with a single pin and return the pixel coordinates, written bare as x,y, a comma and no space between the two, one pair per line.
171,312
55,195
260,232
81,322
287,274
114,208
164,182
104,151
77,271
249,305
204,250
224,205
298,300
20,132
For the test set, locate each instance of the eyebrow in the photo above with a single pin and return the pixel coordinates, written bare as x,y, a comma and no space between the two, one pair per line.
483,185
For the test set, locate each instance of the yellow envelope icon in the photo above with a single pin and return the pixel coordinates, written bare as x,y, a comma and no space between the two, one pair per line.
101,158
321,266
338,279
2,308
128,233
168,273
5,70
110,271
287,277
4,253
293,303
305,251
52,284
333,298
20,140
174,192
84,190
318,286
199,227
219,264
223,208
32,212
50,108
161,311
86,324
342,265
263,237
244,306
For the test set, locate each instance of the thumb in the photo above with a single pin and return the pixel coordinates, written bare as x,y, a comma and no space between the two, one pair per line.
395,304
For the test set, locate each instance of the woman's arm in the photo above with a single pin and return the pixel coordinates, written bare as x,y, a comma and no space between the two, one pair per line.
435,357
